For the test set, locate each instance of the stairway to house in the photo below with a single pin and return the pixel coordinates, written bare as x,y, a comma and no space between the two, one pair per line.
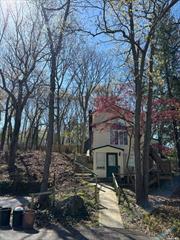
84,172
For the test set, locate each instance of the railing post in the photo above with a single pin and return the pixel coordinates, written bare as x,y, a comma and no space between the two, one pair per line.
32,201
96,191
53,196
119,196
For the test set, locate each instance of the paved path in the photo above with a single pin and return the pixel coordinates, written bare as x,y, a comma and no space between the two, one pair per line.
71,233
111,226
109,213
14,201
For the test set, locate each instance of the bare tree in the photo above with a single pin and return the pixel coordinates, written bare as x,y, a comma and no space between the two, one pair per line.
90,70
7,116
55,40
4,21
3,25
21,69
64,81
34,110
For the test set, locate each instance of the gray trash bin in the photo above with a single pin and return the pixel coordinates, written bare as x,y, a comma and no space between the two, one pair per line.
17,217
5,213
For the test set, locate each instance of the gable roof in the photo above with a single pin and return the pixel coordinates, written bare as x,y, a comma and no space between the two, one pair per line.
115,112
114,108
107,146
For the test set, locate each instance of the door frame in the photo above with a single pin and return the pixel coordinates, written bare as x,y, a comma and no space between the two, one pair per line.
107,154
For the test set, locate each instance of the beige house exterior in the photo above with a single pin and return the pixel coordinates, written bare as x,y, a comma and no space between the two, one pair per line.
112,143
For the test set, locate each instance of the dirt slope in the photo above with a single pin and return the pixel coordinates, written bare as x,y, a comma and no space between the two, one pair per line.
30,167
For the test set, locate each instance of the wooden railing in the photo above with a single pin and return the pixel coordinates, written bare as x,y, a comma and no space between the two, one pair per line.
116,187
86,168
37,195
53,191
95,179
119,190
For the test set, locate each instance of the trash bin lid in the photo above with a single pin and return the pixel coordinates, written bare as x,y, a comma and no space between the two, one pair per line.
5,208
18,208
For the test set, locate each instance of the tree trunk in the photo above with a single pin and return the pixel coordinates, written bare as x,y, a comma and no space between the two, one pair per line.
34,139
58,121
14,140
42,138
30,133
147,136
55,49
177,140
137,153
3,136
138,75
9,136
34,135
50,133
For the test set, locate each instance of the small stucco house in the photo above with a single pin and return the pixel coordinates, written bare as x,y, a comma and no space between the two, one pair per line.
112,141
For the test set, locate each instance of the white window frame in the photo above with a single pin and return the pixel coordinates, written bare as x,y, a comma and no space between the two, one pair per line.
121,137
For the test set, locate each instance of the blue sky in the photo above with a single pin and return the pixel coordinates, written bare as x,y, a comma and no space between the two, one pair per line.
102,42
176,10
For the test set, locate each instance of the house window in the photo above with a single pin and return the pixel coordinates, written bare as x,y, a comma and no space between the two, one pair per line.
123,138
100,160
116,137
119,137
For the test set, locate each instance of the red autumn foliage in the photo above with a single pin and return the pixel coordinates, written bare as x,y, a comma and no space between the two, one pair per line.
164,149
164,110
110,105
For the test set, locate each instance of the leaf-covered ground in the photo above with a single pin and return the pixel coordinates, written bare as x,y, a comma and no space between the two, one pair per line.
161,219
29,168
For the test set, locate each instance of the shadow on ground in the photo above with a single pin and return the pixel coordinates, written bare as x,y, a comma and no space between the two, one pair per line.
95,233
68,232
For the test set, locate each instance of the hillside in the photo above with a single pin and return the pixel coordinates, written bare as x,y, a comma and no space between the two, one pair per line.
29,168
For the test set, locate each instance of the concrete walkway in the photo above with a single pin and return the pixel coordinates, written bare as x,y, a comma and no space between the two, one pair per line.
59,232
109,213
109,218
14,201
